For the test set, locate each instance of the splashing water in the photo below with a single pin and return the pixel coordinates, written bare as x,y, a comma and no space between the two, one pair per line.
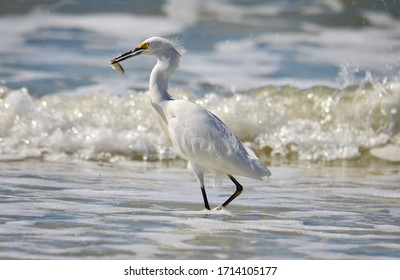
318,123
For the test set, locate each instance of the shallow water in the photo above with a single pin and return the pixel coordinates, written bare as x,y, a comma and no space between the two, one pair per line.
313,87
150,210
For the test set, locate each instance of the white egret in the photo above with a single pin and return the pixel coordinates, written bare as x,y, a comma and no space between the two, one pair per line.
198,135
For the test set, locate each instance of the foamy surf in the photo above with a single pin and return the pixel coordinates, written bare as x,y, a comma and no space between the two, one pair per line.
318,123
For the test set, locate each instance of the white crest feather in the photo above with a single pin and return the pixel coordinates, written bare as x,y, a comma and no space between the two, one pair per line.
178,45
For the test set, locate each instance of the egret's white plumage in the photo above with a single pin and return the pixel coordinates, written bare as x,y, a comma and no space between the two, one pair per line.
198,135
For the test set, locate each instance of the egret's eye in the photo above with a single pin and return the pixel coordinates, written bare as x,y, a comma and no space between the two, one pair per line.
144,46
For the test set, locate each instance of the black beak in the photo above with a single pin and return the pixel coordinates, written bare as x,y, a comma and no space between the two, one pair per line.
127,55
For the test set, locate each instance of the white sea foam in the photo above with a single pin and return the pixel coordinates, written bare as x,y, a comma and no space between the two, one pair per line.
315,123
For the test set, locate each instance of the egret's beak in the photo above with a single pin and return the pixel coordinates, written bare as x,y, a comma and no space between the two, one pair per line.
114,62
127,55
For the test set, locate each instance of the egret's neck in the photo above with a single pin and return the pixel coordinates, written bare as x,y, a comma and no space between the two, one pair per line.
158,84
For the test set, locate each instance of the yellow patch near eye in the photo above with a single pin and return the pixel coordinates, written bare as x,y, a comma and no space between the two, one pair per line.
144,45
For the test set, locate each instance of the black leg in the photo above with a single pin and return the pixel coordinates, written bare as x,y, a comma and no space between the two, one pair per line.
203,191
239,189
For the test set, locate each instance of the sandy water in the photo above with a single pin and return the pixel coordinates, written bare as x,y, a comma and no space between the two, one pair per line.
145,210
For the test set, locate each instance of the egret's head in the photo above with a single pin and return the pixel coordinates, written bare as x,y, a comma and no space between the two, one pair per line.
157,46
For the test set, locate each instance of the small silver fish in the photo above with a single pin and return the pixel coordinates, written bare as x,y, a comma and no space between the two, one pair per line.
116,66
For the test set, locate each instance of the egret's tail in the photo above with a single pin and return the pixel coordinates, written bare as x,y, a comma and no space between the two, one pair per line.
263,170
260,170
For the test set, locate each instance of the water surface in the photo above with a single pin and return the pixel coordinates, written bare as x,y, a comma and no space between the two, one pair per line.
313,87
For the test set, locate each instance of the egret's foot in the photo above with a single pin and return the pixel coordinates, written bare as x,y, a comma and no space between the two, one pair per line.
219,208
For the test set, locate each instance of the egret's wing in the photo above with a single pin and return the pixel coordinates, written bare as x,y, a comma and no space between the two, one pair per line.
204,139
196,134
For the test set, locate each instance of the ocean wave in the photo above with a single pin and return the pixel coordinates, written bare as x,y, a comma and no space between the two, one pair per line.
317,123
